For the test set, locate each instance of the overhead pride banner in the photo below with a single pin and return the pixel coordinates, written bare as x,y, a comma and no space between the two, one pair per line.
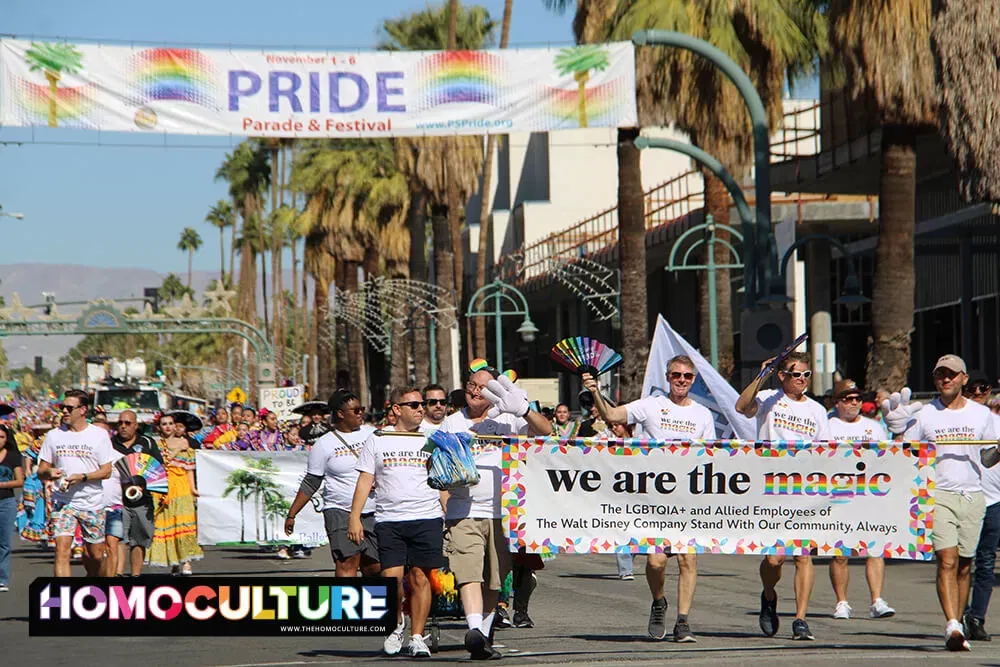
726,497
318,94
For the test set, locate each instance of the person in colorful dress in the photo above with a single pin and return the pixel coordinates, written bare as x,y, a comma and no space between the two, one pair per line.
36,502
562,426
175,540
270,437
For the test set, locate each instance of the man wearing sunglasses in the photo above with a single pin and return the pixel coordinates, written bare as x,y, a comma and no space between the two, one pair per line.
435,408
959,504
848,425
474,539
978,390
785,414
137,513
77,459
673,417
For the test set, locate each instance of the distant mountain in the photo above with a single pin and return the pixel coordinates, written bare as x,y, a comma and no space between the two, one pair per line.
81,283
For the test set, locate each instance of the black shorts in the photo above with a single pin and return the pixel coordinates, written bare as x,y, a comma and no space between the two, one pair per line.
418,543
341,546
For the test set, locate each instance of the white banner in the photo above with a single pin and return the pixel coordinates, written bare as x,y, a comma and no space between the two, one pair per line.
319,94
282,400
245,497
709,388
727,497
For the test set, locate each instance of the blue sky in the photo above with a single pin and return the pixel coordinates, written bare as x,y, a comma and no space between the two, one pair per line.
125,207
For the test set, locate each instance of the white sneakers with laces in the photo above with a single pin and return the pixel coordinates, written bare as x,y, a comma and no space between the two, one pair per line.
393,644
418,647
881,609
843,611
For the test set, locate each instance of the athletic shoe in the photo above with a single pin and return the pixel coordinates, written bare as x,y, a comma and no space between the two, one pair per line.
418,647
477,645
393,644
502,618
843,611
627,577
800,630
283,553
522,620
4,588
768,620
683,634
657,628
880,609
300,554
976,629
954,638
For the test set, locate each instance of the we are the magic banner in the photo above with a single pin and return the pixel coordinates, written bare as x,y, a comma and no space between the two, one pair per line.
727,497
317,94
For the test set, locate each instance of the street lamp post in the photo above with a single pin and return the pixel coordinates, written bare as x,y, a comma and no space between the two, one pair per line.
502,294
709,240
16,216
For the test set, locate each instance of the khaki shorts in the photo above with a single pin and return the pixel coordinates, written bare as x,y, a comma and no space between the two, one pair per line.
477,551
958,518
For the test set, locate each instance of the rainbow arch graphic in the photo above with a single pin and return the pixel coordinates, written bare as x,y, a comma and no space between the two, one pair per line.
453,77
178,75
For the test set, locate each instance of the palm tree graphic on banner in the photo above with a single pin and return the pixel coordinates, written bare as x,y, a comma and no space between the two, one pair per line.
255,481
54,60
579,61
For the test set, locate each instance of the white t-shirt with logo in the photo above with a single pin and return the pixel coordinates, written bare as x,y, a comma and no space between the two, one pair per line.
112,486
400,468
957,467
482,501
781,418
337,464
861,429
662,419
991,476
427,427
78,452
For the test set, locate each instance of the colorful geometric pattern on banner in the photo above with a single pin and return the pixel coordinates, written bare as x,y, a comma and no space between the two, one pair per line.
724,497
320,94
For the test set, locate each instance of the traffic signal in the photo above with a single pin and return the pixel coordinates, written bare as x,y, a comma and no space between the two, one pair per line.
763,334
159,369
151,295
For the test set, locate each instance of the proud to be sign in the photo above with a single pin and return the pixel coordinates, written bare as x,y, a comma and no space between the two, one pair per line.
727,497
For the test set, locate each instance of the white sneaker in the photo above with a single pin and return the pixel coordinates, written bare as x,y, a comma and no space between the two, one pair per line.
4,588
843,611
954,638
393,644
881,609
418,648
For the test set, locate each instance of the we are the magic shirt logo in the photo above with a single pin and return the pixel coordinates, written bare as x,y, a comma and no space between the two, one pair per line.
405,459
954,434
792,423
668,423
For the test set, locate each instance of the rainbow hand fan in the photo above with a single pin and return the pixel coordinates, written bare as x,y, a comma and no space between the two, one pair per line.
585,355
147,467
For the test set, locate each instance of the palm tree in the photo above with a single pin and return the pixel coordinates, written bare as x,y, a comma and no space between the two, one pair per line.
221,216
444,170
263,471
172,289
479,342
768,39
886,51
275,509
240,482
247,172
189,243
53,60
579,61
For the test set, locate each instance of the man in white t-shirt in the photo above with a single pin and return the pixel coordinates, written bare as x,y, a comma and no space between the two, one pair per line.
77,459
673,417
408,513
435,408
978,389
848,425
474,542
785,414
959,505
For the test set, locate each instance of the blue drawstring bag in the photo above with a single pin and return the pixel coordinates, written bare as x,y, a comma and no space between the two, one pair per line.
452,463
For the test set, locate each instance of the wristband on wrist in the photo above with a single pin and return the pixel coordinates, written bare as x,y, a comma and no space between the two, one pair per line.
85,477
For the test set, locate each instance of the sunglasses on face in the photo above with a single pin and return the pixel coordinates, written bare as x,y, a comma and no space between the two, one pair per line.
413,405
945,375
980,389
677,375
360,410
68,408
798,374
431,402
851,399
123,423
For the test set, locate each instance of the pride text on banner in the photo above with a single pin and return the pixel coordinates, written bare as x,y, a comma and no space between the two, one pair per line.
290,94
726,497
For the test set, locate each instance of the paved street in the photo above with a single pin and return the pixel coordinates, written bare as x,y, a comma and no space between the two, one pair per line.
582,612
